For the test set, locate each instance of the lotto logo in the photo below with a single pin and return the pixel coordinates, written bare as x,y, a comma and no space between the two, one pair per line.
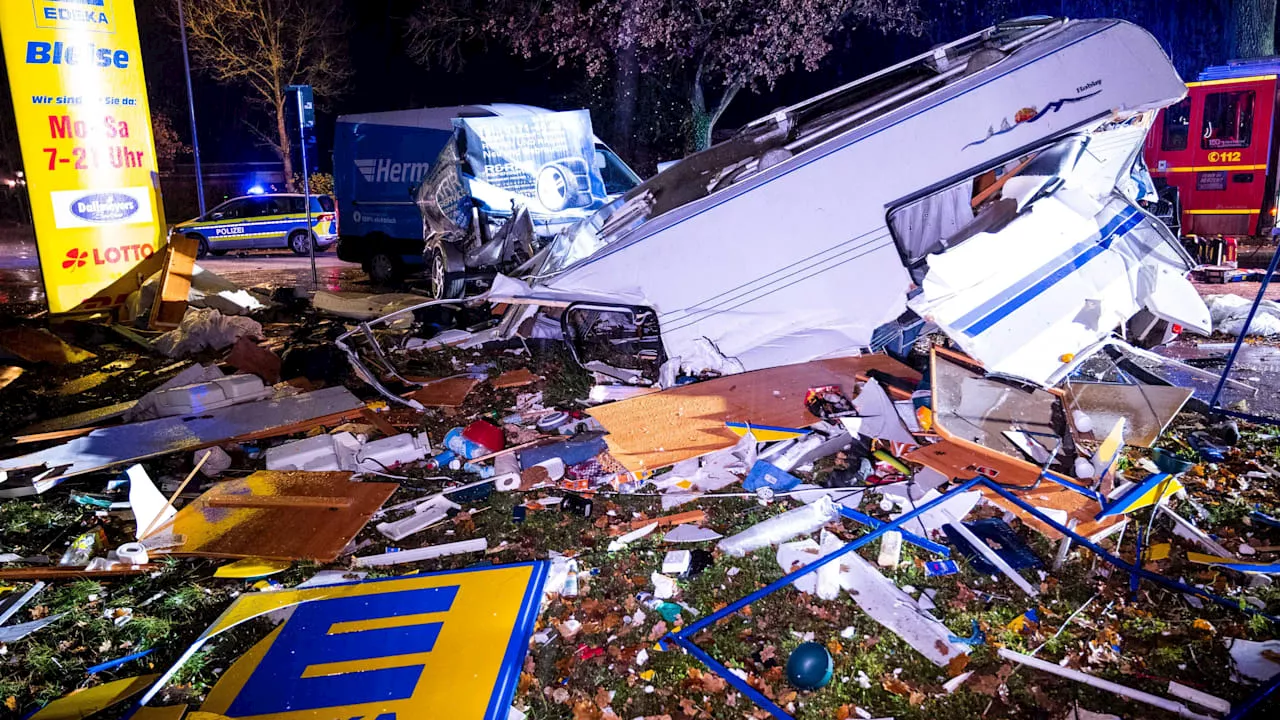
76,258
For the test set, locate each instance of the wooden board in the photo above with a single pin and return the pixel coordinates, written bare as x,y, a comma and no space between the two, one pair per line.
513,379
447,392
281,529
39,345
72,573
959,462
175,283
663,428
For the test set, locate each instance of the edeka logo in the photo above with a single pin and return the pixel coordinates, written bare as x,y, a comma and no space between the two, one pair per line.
91,15
347,651
60,53
104,207
77,258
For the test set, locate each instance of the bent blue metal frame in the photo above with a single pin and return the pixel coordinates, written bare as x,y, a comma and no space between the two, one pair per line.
684,637
1235,349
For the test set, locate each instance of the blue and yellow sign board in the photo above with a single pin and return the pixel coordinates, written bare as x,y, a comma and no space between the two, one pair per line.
423,647
80,97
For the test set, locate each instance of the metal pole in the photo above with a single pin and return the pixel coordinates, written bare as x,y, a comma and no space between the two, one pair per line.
1231,358
306,192
191,109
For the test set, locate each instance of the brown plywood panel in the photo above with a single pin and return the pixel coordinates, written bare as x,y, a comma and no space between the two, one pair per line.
659,429
446,392
278,516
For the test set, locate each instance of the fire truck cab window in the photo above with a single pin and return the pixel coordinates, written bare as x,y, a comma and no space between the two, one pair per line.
1228,120
1177,126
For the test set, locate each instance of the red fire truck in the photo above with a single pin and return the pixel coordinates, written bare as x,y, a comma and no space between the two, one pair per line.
1214,156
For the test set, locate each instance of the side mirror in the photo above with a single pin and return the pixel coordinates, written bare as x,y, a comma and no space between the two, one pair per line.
215,216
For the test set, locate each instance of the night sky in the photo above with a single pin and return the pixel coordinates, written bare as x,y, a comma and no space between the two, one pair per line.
384,78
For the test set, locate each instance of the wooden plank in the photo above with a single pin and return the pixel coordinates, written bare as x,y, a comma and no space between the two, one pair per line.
446,392
692,516
37,345
285,531
514,379
8,374
79,420
284,501
663,428
175,283
375,419
72,573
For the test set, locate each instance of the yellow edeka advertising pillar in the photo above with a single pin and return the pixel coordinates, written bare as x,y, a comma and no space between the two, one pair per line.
75,72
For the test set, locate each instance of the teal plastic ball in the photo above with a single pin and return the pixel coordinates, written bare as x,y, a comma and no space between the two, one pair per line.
810,666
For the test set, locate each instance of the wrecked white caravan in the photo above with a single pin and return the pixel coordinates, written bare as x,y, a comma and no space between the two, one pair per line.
986,187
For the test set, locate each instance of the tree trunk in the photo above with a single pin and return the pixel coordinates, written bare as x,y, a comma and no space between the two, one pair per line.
702,120
626,87
284,147
1253,28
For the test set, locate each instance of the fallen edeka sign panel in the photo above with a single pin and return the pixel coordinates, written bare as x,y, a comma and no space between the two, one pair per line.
440,645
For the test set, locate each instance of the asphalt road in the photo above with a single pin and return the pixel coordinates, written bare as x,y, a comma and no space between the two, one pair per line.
21,290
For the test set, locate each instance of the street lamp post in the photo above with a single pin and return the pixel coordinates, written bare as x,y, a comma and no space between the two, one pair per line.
191,109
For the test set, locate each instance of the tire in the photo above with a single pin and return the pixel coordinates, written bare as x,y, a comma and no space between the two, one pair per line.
218,253
298,242
441,284
202,246
383,269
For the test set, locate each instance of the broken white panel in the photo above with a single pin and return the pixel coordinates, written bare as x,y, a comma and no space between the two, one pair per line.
622,541
16,603
688,533
823,582
780,528
879,416
14,633
888,605
957,505
1052,282
690,478
150,507
1197,697
210,290
203,397
1029,445
318,453
362,306
390,452
1250,660
424,515
426,553
1185,529
192,374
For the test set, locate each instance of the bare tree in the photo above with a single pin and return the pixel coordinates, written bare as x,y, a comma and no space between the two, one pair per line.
711,48
266,46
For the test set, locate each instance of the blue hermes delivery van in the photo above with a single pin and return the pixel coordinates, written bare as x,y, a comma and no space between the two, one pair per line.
379,160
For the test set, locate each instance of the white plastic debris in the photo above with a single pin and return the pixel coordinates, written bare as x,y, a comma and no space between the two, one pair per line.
689,533
622,541
676,562
890,549
150,508
204,329
1197,697
1230,311
433,510
1250,660
202,397
317,454
824,582
664,588
427,553
780,528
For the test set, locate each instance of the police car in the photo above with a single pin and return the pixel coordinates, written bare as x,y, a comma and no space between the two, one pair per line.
254,222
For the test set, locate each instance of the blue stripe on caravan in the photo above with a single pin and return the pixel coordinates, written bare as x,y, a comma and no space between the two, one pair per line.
985,316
